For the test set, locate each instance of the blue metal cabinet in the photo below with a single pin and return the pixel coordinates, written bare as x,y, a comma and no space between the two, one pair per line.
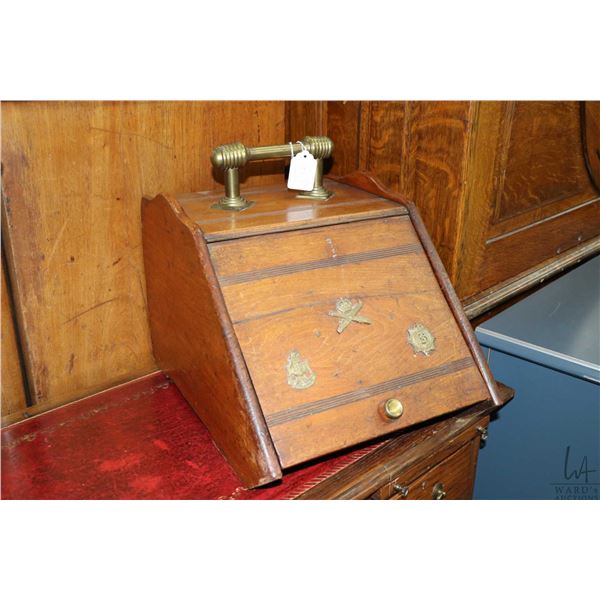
545,444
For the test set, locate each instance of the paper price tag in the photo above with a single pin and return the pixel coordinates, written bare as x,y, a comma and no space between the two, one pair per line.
303,169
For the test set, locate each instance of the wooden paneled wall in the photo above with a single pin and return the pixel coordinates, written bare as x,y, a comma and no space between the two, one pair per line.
73,177
502,187
591,131
416,148
530,196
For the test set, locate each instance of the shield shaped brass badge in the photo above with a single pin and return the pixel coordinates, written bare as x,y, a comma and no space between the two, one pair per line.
421,339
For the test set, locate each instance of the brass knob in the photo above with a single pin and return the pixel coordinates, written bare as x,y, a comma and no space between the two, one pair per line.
439,493
401,490
393,408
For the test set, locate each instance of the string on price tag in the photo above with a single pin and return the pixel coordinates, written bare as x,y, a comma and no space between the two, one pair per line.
303,169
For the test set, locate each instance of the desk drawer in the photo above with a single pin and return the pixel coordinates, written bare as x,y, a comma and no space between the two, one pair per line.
452,464
452,479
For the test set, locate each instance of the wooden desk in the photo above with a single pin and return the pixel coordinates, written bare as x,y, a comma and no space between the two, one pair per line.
141,440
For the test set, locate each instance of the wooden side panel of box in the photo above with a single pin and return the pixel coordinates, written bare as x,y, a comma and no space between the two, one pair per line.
194,343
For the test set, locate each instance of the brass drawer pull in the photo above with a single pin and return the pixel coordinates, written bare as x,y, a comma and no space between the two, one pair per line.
393,408
439,493
483,432
401,490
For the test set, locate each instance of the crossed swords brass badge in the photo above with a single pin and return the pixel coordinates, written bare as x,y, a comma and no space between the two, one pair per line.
347,312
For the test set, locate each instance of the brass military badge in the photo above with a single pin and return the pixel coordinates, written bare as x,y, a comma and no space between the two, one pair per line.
347,313
421,339
299,374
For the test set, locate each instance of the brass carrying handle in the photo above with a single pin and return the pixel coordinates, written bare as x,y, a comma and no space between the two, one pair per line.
231,157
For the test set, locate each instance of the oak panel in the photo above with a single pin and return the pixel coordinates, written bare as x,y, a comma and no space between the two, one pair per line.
591,138
74,175
284,305
304,118
360,357
540,159
522,211
276,209
440,137
338,428
14,398
344,129
194,343
515,253
324,244
386,126
480,172
418,149
371,278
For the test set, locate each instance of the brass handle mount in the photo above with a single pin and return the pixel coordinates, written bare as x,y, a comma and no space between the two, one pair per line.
231,157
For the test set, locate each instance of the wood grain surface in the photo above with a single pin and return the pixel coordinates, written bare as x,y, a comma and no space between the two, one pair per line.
512,290
501,186
279,290
258,255
418,149
74,174
539,162
343,126
455,475
370,183
14,398
304,118
591,139
524,204
407,456
277,208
